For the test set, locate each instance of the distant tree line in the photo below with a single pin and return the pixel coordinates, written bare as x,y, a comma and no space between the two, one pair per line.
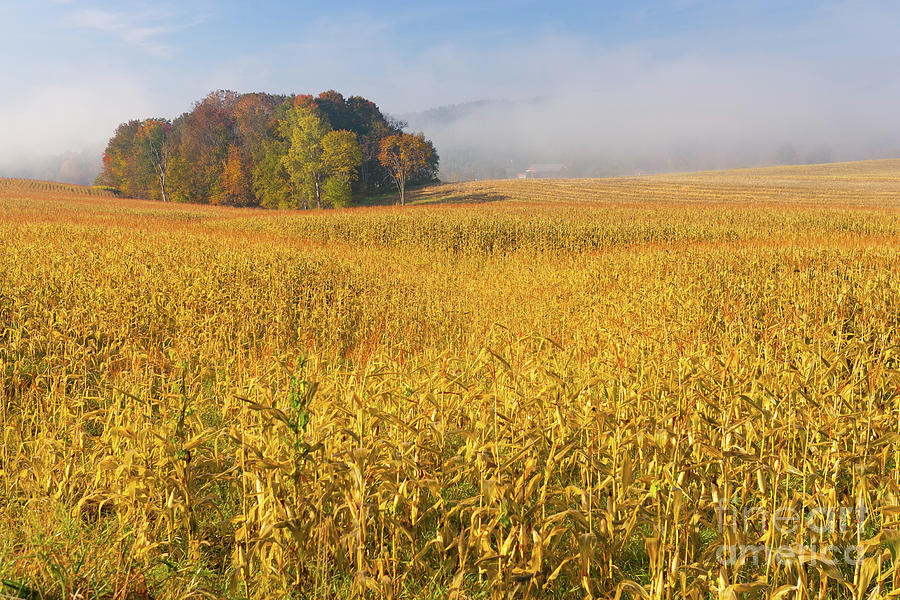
268,150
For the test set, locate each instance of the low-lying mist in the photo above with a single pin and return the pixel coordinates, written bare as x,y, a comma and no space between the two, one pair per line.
80,168
623,131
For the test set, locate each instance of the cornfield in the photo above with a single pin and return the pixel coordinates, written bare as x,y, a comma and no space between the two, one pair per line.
682,386
10,186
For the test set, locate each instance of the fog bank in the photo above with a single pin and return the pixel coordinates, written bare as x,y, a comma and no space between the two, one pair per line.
680,116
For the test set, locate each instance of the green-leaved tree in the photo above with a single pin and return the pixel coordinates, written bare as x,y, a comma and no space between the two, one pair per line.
342,156
316,154
303,127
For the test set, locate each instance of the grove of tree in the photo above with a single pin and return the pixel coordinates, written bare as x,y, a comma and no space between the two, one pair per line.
264,150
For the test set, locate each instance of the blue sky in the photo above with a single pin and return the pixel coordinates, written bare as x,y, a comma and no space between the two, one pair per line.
73,69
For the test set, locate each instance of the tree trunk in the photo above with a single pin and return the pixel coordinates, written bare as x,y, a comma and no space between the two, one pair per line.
162,186
159,158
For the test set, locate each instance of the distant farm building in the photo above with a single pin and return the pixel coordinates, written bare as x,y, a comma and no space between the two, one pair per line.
544,171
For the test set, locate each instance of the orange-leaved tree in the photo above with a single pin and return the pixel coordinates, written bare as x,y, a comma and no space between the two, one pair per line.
236,180
404,155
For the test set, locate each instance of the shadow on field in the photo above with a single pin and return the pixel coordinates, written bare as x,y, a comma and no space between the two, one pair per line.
436,194
461,198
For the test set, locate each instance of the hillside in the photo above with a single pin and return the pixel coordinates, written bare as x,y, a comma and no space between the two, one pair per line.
874,182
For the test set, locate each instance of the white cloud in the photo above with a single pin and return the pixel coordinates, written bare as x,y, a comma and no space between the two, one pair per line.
146,29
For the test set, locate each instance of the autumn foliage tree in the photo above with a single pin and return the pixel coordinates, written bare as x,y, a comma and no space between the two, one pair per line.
205,133
237,183
404,156
258,150
126,165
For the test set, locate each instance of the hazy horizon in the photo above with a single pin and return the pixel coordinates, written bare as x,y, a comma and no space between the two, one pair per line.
677,84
